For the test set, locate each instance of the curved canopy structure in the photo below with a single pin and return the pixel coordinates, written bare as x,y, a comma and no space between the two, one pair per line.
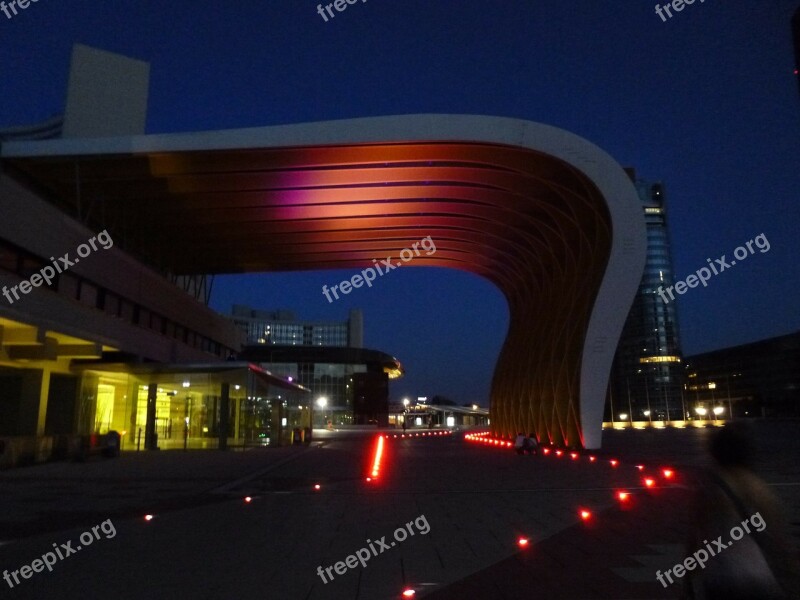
549,218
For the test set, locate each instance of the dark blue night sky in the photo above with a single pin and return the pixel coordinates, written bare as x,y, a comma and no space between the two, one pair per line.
706,102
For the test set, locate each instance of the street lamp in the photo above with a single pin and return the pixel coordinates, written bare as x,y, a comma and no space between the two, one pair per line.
701,411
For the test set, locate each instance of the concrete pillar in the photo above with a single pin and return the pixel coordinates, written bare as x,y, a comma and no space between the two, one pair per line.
44,393
237,412
150,442
276,424
34,388
224,412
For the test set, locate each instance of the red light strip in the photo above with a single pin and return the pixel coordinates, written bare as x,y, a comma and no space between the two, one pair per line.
376,463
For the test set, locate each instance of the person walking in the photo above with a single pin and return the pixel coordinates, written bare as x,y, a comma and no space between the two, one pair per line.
761,563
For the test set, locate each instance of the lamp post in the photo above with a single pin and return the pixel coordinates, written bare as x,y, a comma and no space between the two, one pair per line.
728,387
322,403
611,402
406,402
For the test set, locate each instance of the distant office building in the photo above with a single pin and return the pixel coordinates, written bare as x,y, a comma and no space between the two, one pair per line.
796,35
760,379
349,384
282,328
647,377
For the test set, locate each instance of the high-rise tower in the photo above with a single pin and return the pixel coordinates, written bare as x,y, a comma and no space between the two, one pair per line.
647,378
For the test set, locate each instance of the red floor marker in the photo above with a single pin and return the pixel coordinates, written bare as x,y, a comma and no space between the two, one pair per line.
376,462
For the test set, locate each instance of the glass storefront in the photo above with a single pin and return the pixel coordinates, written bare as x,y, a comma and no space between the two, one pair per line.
190,406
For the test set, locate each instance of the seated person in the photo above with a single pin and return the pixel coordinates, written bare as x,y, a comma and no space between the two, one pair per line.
530,445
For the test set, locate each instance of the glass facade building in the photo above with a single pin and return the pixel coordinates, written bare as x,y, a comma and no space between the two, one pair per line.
315,354
331,382
647,377
333,375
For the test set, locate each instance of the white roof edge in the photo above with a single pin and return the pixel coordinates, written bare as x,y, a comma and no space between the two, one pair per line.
397,128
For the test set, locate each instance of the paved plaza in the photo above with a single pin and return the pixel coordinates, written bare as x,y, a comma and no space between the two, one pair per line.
463,508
